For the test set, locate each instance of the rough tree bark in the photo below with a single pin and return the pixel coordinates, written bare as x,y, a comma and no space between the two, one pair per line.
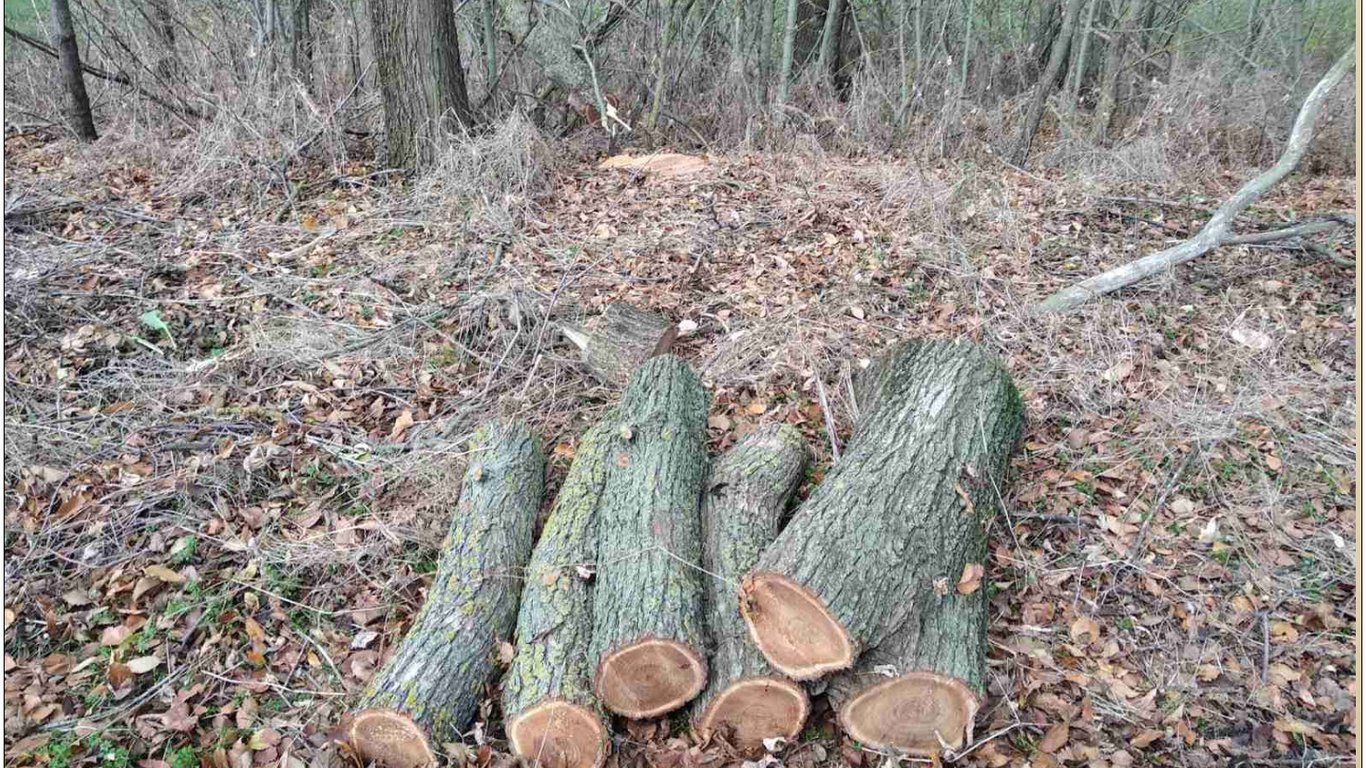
893,523
647,602
78,101
548,704
422,84
435,679
1056,58
551,35
1216,230
1115,54
785,68
615,343
746,700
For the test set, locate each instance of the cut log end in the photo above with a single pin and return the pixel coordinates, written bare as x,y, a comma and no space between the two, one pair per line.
558,734
918,713
389,739
755,709
650,677
793,628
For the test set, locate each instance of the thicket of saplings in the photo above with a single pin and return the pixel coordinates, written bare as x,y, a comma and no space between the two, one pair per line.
299,79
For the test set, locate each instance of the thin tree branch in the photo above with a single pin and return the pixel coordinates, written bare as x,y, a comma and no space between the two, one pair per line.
1216,230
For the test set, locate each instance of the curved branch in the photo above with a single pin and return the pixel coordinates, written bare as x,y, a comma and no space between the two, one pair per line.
1216,230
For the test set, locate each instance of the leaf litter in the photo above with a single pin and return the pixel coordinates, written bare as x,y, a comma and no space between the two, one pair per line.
231,459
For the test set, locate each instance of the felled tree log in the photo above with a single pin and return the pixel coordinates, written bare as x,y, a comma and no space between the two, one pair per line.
548,704
919,690
746,700
647,602
431,687
892,529
616,343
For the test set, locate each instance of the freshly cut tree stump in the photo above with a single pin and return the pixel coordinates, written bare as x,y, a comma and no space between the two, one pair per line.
918,691
434,681
618,341
746,700
548,704
892,528
647,602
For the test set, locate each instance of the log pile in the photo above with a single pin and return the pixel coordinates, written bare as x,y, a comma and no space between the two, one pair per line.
663,579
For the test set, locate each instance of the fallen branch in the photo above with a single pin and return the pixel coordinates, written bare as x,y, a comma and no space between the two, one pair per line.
1301,229
1216,230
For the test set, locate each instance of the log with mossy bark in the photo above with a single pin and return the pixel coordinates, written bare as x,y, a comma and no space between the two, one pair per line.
618,341
647,599
893,528
430,688
551,714
746,700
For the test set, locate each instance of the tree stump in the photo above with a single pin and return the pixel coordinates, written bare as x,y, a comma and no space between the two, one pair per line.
432,685
892,531
647,602
616,343
746,700
548,704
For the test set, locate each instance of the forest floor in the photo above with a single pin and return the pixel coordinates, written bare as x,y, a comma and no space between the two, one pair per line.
234,417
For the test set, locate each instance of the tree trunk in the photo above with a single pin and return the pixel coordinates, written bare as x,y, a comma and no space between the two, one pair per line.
830,38
1216,230
548,701
746,700
64,40
894,521
1115,54
619,340
647,603
435,680
489,34
421,81
1056,58
301,42
1079,64
550,36
789,45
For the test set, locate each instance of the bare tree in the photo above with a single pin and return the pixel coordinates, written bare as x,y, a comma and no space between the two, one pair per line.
64,40
1216,230
789,43
1046,81
1115,53
421,81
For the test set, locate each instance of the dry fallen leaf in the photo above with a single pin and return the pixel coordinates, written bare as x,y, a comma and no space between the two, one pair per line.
143,664
1085,626
1144,738
1055,738
1251,338
401,425
971,579
164,574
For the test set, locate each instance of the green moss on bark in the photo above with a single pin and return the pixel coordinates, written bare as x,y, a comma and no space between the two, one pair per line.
745,493
438,673
649,529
